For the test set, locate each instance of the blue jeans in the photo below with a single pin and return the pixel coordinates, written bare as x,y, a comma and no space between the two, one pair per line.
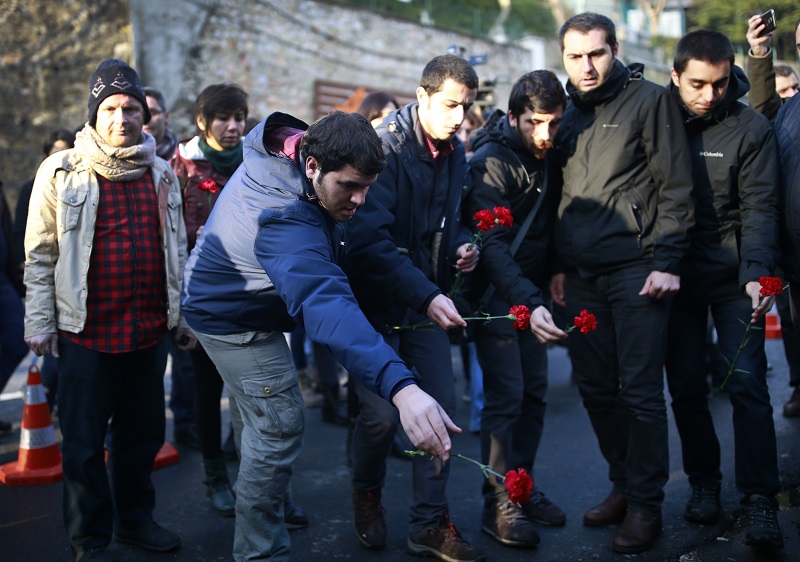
127,388
756,459
429,352
619,371
514,368
260,374
12,343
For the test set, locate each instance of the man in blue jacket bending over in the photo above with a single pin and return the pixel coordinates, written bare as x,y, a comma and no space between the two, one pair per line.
268,254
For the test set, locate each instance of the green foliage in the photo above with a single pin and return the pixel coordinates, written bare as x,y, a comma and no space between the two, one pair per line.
730,17
473,17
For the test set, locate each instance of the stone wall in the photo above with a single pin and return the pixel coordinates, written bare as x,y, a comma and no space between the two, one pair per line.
276,49
48,51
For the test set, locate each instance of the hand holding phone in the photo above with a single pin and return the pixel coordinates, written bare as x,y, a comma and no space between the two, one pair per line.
769,21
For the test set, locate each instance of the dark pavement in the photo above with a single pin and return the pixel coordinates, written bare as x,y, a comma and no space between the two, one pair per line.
570,470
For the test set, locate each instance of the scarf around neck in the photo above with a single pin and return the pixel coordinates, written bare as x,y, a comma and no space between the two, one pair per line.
115,163
223,161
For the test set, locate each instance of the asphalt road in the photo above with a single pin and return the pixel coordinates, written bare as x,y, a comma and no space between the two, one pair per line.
569,469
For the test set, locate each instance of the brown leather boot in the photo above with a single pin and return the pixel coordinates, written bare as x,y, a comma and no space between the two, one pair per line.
608,512
638,532
792,407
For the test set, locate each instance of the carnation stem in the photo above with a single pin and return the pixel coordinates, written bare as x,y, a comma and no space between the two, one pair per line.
484,468
426,325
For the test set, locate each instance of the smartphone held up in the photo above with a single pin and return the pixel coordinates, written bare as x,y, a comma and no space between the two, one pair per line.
769,21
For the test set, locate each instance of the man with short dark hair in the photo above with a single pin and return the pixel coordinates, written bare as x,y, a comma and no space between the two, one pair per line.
734,243
623,226
512,167
406,243
269,255
105,246
158,126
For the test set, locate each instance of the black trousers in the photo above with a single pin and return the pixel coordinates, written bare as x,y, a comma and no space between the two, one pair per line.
619,371
128,389
514,366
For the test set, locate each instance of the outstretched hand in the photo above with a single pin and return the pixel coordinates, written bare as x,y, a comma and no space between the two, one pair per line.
442,311
424,421
543,326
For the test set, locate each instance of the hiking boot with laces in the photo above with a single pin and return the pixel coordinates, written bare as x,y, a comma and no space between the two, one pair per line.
541,510
369,519
443,542
703,507
762,523
507,523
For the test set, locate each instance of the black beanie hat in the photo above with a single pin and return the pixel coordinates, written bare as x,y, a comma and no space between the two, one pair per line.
112,77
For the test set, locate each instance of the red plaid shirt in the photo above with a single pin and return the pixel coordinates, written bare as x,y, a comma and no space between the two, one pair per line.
126,304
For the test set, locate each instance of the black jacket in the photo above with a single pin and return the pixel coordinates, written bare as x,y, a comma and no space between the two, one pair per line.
627,181
9,267
736,173
402,242
505,173
787,130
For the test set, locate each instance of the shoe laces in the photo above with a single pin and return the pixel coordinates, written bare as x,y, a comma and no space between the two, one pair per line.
761,514
701,494
371,502
511,512
448,529
538,498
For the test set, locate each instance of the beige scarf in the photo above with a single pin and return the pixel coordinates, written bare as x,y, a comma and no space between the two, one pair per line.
116,164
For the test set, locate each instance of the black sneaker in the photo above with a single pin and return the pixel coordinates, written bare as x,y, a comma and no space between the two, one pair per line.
541,510
762,523
369,519
443,542
507,523
704,506
150,536
294,517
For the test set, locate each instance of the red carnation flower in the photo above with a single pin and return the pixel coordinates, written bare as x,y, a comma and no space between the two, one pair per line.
586,322
770,286
519,485
208,185
504,216
485,220
522,317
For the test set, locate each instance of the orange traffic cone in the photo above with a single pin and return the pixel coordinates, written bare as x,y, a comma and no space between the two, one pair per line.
166,456
39,459
773,325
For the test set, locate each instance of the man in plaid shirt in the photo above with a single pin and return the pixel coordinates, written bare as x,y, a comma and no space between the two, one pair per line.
105,248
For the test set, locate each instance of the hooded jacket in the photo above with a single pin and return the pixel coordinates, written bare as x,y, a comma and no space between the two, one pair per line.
787,130
627,179
404,239
736,172
505,173
269,252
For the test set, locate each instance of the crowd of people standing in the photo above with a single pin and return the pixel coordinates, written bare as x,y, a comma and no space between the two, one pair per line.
654,207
